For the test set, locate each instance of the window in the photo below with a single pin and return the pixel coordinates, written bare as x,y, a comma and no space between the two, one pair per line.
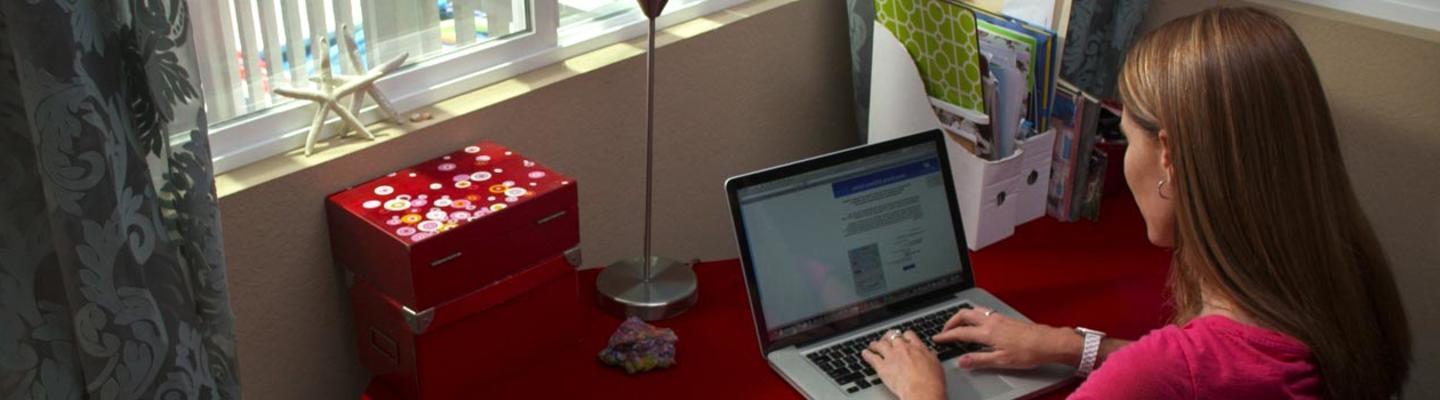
249,47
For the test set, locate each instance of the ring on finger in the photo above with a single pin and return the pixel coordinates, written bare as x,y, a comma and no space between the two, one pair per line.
988,312
893,335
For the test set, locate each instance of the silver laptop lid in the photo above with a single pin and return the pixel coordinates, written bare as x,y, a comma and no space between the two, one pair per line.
838,241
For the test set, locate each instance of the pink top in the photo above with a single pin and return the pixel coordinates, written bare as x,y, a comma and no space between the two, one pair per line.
1210,357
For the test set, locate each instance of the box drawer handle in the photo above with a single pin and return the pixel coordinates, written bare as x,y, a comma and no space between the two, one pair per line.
384,345
549,218
445,259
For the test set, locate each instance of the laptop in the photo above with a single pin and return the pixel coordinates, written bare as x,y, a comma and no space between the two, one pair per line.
840,248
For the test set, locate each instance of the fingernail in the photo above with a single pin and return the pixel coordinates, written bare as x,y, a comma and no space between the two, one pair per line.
964,362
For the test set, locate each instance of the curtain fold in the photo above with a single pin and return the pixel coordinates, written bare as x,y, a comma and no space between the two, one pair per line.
112,279
1100,33
861,22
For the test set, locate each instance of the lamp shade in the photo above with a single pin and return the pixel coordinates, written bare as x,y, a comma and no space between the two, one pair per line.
652,8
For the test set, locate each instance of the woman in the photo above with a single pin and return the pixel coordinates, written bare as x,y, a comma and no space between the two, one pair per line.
1280,286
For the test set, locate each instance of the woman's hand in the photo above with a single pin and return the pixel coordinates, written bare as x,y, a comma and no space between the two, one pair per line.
906,366
1013,344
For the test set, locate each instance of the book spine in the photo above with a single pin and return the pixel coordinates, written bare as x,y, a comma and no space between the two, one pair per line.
1086,144
1063,154
1072,153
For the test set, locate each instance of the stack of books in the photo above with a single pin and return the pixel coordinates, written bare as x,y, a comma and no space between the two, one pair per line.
992,81
1022,65
1086,135
979,66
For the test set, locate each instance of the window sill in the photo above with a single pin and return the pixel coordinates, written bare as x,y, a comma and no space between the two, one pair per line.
329,149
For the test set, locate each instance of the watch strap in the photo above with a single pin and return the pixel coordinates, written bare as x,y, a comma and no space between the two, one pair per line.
1090,352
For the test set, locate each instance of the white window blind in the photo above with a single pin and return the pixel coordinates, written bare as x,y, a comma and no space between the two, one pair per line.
248,47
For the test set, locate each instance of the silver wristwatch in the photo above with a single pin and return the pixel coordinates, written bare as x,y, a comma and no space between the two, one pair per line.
1091,350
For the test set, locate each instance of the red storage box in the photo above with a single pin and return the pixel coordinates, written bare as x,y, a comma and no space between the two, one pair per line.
450,351
438,230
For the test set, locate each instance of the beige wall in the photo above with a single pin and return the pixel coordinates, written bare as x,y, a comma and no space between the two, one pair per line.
1384,93
770,88
766,89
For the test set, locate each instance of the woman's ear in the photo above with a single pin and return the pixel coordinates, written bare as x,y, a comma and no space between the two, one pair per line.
1166,162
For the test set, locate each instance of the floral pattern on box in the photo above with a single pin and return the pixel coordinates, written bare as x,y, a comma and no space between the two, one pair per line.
418,202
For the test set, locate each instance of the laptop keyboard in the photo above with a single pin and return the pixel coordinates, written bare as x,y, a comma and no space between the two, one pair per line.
842,362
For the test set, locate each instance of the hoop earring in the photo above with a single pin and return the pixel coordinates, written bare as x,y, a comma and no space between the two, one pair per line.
1160,188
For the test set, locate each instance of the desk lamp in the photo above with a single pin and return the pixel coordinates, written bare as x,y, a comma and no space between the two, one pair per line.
648,287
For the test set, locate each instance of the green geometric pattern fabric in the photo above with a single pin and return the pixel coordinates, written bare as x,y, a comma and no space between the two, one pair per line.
941,38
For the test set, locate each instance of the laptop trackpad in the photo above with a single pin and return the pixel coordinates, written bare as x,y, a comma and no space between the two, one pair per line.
974,385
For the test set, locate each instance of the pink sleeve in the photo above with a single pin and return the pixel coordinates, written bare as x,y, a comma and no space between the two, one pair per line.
1154,367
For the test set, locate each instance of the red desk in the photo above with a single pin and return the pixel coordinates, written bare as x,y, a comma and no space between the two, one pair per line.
1103,275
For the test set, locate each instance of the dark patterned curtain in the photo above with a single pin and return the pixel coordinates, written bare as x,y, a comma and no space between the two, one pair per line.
861,21
1100,33
112,281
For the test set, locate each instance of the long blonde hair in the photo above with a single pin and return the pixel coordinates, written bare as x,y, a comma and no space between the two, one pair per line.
1265,213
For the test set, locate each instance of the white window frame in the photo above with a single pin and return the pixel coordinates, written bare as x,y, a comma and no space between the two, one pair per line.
246,139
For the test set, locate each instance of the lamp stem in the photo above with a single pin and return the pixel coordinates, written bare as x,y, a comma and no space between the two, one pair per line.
649,139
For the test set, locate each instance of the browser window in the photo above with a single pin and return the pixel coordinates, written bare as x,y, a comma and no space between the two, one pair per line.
836,242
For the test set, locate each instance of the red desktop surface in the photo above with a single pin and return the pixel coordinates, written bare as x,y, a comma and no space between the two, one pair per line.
1103,275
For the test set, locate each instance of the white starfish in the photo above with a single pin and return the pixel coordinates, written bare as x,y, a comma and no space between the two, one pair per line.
352,53
332,89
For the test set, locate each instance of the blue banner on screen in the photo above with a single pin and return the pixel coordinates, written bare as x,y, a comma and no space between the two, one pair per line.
885,177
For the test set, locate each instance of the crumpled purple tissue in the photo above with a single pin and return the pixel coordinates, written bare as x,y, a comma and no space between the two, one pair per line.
638,347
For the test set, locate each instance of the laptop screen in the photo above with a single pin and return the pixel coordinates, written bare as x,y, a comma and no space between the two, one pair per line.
833,243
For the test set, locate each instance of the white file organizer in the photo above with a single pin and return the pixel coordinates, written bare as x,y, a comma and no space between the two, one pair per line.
1034,185
994,196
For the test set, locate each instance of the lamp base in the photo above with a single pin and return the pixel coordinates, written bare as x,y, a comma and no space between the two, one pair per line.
623,291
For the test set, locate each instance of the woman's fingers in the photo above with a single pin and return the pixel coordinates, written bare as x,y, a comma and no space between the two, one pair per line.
883,346
966,316
986,359
914,341
911,337
878,348
871,357
969,334
955,320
